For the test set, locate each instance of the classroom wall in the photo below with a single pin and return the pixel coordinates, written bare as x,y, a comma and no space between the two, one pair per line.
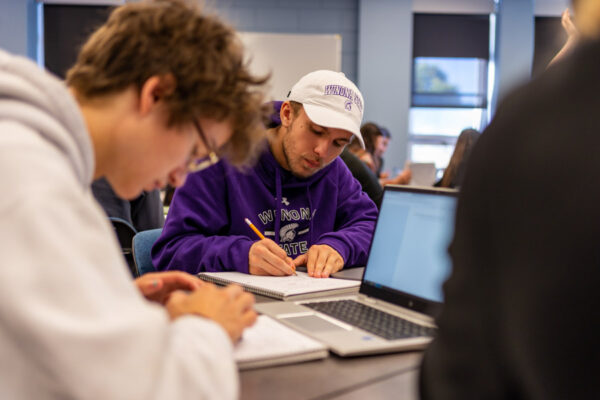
357,21
454,6
18,33
385,82
384,70
514,46
298,16
550,8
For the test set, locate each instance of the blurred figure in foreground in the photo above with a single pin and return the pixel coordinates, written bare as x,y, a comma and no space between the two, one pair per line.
572,37
155,90
526,266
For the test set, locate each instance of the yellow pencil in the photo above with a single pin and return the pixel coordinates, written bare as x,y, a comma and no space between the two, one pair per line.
259,234
251,225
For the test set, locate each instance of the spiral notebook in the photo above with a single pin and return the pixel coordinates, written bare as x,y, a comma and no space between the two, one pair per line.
268,343
294,287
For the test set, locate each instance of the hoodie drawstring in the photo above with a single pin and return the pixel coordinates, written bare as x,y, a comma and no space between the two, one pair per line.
278,202
279,208
310,207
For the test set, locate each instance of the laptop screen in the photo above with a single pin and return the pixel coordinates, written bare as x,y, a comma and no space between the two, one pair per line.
409,252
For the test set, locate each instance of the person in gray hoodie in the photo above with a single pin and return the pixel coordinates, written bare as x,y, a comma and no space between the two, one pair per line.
154,91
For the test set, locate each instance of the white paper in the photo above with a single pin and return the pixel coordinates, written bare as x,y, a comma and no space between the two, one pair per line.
268,338
287,285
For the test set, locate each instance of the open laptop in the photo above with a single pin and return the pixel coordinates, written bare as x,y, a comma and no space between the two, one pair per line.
401,288
422,174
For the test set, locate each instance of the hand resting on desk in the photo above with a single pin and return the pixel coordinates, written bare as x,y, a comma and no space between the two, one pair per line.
321,260
232,308
267,258
184,294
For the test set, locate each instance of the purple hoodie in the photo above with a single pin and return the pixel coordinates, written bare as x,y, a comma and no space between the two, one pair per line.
205,228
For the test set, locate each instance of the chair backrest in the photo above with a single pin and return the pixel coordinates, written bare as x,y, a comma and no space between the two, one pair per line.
125,233
142,244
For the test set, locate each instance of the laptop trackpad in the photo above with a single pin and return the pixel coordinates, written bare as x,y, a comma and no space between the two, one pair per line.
312,323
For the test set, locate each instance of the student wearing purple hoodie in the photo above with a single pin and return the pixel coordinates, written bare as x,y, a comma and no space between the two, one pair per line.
300,195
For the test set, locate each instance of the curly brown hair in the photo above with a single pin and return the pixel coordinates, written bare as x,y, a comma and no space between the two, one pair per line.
201,53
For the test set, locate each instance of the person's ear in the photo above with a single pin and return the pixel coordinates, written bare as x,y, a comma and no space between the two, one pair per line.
154,90
286,113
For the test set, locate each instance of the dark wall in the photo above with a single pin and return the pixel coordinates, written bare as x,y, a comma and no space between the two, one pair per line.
66,27
549,39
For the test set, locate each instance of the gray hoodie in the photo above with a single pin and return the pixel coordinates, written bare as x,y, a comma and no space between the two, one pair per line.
72,324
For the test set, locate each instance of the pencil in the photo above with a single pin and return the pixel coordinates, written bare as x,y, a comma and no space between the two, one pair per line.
259,234
251,225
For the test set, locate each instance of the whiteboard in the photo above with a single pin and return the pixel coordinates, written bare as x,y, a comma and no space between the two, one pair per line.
288,57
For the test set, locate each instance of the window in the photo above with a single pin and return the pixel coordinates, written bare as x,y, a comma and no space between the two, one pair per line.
443,122
449,85
449,82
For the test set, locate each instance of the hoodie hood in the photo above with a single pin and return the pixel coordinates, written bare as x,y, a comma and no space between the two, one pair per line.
43,103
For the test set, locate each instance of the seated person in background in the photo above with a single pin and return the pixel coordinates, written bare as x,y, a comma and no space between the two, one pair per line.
518,316
364,175
381,144
403,178
371,155
153,90
169,192
300,195
455,171
366,153
143,213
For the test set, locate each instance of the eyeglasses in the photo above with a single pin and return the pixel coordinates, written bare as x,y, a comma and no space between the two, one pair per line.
199,164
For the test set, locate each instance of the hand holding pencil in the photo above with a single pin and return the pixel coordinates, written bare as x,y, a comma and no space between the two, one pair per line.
267,258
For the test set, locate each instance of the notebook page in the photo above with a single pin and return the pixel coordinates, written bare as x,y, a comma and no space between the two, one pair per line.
268,338
287,285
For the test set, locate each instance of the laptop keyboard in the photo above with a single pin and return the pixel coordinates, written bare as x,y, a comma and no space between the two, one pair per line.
371,319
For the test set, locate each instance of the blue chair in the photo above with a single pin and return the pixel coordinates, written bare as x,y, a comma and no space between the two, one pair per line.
142,244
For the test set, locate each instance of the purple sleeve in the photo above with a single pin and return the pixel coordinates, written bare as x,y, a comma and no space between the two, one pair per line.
195,239
354,221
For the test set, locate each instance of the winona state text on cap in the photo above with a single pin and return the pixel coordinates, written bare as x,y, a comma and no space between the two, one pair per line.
331,100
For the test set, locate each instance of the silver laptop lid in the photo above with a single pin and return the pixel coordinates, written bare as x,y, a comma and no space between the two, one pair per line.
408,259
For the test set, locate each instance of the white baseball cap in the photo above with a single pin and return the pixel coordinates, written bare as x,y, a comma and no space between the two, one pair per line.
330,100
